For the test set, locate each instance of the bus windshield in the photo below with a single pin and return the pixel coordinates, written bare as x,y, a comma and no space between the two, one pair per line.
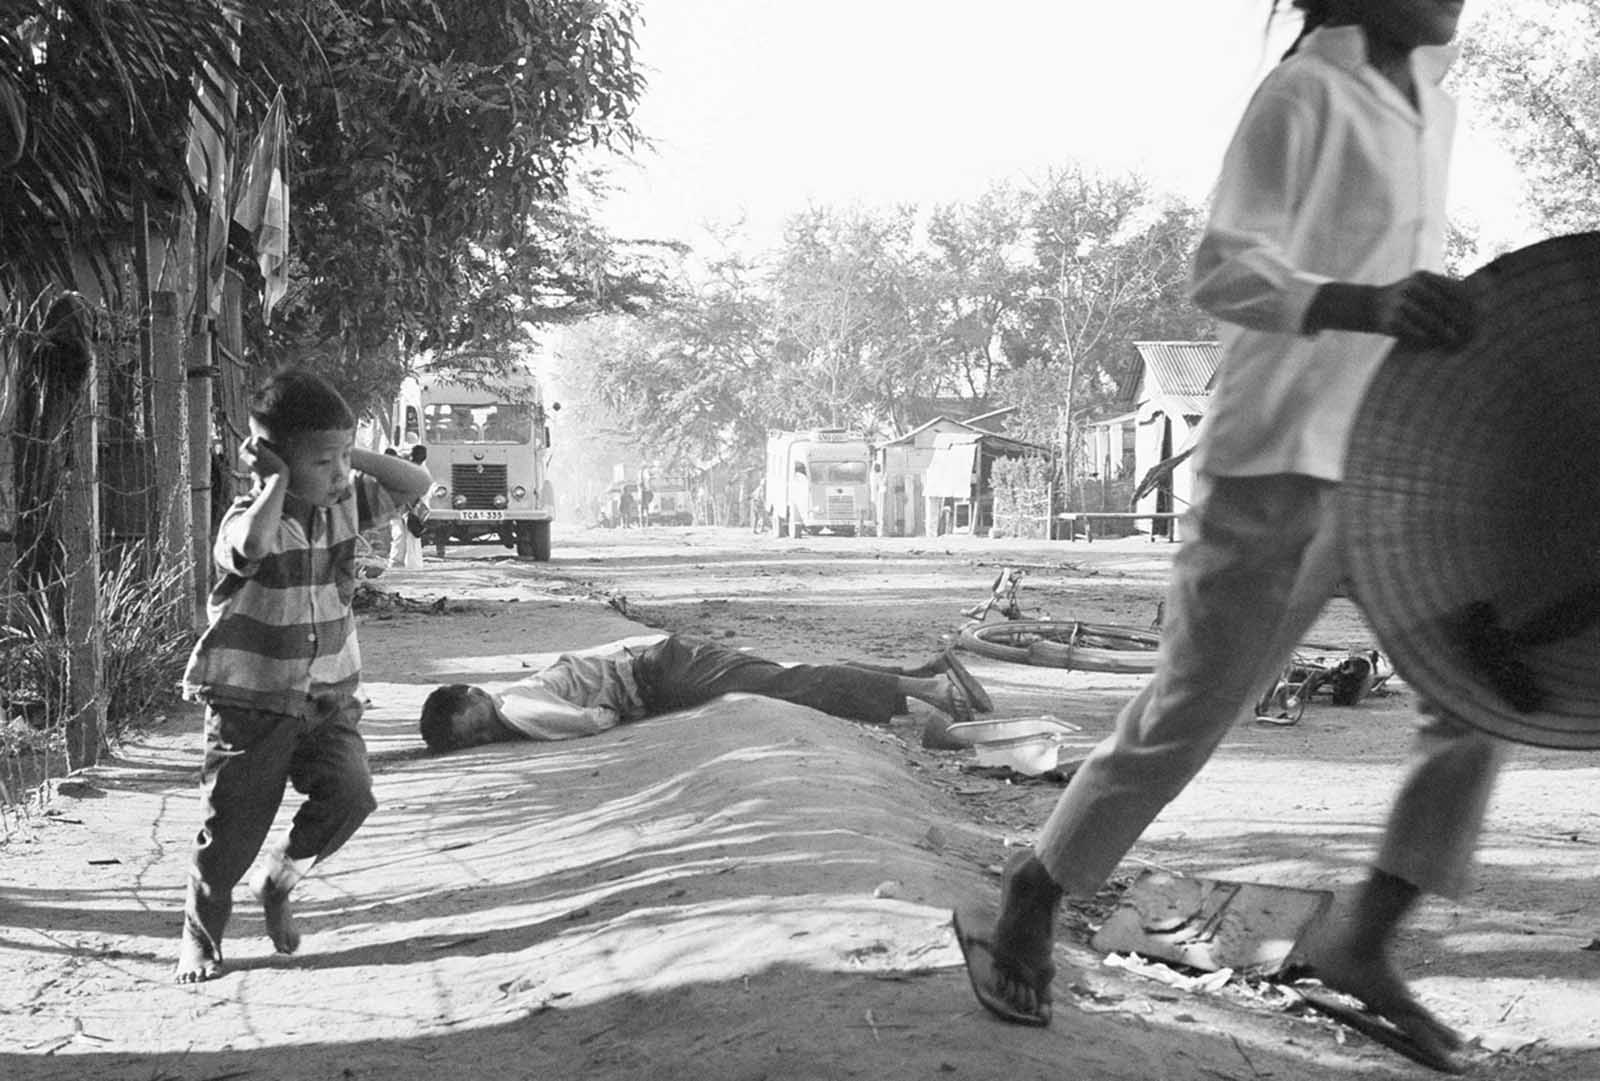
505,422
839,472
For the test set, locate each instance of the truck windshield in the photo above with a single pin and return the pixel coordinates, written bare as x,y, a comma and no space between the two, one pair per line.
447,422
839,472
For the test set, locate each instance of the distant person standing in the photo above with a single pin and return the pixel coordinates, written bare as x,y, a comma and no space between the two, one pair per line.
626,507
405,530
1323,248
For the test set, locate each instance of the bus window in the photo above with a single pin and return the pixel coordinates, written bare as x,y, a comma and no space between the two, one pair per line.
461,423
449,424
508,424
846,473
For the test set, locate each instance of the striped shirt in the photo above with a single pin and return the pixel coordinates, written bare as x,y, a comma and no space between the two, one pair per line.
282,629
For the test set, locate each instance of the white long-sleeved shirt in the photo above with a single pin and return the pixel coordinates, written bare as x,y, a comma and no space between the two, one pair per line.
578,695
1332,175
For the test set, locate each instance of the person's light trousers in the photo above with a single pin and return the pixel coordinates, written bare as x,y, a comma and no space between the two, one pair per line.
1260,559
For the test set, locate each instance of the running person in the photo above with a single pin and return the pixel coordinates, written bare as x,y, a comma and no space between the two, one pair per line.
1324,246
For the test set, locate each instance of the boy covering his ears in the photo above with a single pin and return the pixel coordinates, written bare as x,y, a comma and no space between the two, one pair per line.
278,668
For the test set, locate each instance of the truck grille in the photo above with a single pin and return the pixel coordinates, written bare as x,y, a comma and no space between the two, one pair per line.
479,483
841,508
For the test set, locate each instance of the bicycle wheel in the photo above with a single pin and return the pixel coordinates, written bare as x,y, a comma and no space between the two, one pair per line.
1055,643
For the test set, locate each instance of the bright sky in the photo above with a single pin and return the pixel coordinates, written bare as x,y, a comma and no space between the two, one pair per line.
757,107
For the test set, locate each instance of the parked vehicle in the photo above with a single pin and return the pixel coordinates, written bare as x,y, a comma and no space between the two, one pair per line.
818,480
670,502
488,447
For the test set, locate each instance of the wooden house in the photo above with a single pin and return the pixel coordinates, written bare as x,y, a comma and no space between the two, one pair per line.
1162,403
960,496
900,475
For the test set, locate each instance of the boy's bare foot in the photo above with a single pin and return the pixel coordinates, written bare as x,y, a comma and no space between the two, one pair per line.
280,915
198,959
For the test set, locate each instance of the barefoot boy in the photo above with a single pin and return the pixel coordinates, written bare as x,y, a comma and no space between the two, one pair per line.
278,669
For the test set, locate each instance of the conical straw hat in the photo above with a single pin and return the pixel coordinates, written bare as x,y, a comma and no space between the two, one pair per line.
1472,493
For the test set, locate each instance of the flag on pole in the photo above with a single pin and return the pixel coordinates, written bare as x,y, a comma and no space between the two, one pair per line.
210,128
262,208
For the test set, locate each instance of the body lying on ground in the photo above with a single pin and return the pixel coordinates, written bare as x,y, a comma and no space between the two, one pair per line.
584,694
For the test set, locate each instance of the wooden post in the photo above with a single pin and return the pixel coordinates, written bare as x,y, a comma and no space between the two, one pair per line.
169,439
80,527
201,369
79,523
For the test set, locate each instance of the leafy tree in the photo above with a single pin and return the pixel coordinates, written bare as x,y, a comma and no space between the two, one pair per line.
1532,67
1031,296
856,313
433,153
981,269
692,382
1111,268
95,101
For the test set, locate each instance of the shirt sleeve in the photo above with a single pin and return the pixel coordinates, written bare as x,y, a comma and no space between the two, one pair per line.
230,532
375,504
539,713
1242,273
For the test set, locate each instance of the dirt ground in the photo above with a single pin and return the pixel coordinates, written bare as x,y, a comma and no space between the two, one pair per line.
753,890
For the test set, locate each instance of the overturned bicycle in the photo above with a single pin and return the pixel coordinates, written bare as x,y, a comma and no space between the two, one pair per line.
1345,675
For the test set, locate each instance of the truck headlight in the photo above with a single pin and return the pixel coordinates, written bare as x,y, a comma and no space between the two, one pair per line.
458,502
519,493
499,500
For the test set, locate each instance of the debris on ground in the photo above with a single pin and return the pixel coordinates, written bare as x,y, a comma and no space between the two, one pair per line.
1211,924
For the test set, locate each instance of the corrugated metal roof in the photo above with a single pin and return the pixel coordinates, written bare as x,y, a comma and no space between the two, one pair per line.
991,441
1179,368
919,429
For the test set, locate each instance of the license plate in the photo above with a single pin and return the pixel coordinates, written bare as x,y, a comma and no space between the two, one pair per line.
481,515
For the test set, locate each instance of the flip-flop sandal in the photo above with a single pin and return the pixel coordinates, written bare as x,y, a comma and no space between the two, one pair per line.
981,702
959,709
977,951
1376,1027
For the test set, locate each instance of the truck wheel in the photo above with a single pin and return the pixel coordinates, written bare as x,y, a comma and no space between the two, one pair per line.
438,535
780,525
541,541
523,538
797,528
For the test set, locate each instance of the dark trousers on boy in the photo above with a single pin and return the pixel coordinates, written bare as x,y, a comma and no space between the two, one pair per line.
250,756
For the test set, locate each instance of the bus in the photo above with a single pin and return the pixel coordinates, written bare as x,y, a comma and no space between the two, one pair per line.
487,441
818,480
671,500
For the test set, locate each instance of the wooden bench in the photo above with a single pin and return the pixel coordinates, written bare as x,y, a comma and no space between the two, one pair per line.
1088,518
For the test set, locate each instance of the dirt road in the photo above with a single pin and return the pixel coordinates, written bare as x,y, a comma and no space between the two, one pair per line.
745,893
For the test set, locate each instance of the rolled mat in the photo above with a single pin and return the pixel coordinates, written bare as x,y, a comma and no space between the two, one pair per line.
1472,500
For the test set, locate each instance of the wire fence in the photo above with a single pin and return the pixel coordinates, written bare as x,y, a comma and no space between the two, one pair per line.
95,623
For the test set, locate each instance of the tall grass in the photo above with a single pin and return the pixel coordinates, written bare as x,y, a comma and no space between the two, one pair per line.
143,619
148,636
